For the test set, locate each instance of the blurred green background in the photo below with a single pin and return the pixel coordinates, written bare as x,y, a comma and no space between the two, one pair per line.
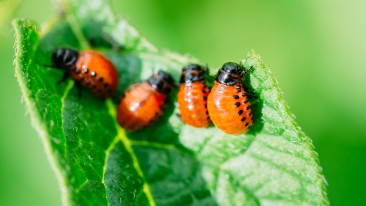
316,49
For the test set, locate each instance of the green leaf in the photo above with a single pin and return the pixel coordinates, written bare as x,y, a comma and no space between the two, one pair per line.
169,163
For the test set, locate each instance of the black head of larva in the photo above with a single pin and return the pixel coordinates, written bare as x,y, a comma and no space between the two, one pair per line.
192,73
64,58
162,82
230,74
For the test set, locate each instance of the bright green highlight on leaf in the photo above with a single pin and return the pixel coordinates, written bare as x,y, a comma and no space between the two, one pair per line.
168,163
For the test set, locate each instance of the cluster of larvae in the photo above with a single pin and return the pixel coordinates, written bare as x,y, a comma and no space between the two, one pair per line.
226,104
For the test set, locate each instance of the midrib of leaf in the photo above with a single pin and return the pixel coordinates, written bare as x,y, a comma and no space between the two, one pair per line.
121,136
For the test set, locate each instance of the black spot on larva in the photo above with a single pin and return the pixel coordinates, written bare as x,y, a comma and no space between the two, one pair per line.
247,108
236,97
243,94
203,91
238,90
208,118
206,111
93,74
237,104
245,101
205,98
106,84
206,105
85,70
246,124
101,79
240,112
243,119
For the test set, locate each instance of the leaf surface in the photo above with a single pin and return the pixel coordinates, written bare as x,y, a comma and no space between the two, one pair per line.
168,163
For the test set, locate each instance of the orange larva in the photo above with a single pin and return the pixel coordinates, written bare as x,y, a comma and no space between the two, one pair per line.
143,103
192,96
228,104
89,68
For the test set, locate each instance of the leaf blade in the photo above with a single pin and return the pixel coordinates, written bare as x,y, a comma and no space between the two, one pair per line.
218,154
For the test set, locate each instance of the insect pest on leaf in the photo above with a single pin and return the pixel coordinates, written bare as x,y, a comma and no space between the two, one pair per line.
192,96
90,69
143,103
228,104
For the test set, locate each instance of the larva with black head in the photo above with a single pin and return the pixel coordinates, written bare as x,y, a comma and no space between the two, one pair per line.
143,103
228,105
192,96
89,68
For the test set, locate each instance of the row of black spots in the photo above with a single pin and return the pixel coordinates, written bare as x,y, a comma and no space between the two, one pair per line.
237,104
243,120
204,91
207,114
93,75
88,83
240,112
